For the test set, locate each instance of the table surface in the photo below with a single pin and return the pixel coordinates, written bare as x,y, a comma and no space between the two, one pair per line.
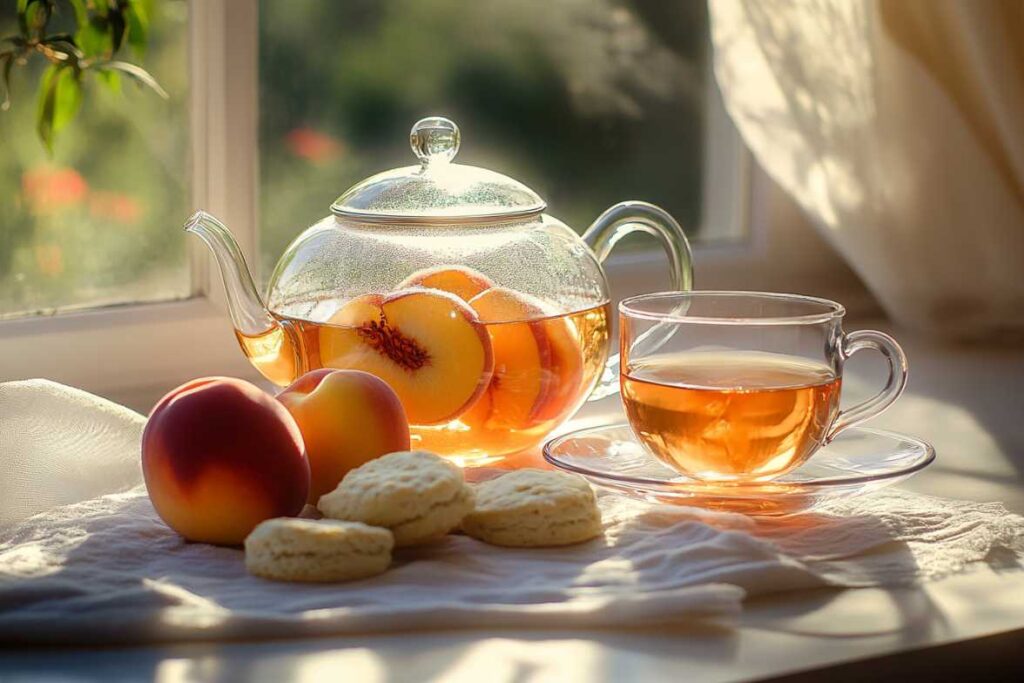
966,401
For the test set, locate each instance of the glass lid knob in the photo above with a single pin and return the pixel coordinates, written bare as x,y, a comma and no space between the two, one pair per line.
434,140
437,190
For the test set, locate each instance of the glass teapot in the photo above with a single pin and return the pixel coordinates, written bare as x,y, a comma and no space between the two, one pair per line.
488,317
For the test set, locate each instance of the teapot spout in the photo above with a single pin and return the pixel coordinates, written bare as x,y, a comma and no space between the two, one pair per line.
248,312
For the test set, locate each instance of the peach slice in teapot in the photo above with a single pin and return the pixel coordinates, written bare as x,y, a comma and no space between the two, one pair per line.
566,368
537,363
522,359
461,281
428,345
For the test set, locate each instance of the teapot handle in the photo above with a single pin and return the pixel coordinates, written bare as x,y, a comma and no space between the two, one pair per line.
614,224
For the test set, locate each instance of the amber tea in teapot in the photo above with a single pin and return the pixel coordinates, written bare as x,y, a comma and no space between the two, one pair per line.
478,381
486,315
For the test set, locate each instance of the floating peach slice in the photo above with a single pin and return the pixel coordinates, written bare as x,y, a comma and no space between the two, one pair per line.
428,345
358,310
522,357
477,414
461,281
566,368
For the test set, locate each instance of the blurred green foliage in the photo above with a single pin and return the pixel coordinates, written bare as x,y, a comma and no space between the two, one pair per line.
80,43
95,222
588,102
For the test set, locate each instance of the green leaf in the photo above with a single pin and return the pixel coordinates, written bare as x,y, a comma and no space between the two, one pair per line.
81,13
69,98
117,27
22,18
37,14
60,99
110,79
137,73
94,39
8,58
46,106
138,26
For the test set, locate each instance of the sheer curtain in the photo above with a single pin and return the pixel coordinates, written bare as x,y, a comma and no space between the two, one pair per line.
898,126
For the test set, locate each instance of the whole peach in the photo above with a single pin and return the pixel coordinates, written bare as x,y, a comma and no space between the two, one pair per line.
219,456
347,417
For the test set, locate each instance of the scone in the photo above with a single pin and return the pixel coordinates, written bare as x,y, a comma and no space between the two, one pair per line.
534,508
289,549
419,496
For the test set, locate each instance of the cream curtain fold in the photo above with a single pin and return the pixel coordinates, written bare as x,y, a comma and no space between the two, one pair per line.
898,126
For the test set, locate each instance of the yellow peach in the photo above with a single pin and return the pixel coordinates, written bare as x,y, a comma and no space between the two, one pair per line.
347,418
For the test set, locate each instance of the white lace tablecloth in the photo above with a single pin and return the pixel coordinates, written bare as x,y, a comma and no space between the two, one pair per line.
77,566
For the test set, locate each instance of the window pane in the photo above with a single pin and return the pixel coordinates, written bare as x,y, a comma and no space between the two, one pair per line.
97,222
589,102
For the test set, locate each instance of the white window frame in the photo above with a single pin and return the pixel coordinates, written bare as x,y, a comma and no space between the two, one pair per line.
132,353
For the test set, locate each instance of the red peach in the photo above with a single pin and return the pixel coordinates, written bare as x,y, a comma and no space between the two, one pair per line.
219,456
347,418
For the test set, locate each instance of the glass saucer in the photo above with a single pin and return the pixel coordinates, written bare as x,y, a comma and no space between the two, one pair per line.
858,461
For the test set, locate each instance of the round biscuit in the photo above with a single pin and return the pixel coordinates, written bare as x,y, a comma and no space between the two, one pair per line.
419,496
534,508
289,549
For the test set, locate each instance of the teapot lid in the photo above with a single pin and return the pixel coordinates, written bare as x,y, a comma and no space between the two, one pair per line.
437,191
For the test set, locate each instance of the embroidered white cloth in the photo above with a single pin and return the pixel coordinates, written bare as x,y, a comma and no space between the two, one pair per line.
106,570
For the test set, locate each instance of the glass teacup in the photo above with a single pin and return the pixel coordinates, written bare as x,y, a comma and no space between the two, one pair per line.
742,386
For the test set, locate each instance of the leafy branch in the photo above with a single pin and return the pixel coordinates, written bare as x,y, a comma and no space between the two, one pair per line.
102,28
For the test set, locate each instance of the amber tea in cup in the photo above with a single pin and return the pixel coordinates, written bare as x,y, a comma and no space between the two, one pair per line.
733,387
733,413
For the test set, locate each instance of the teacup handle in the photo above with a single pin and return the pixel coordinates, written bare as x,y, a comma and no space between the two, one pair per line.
614,224
865,410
